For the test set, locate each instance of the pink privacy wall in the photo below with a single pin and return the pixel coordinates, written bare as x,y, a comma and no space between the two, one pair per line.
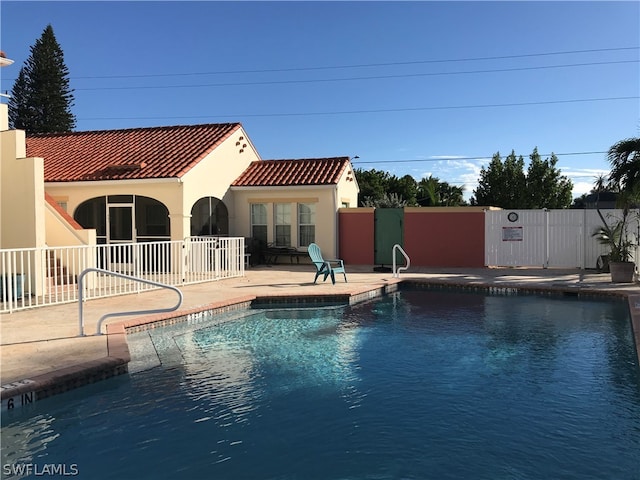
444,238
355,227
433,236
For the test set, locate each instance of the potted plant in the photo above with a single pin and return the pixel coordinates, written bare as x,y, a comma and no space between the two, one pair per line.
621,245
624,157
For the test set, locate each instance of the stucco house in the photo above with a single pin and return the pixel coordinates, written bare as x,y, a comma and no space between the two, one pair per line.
146,184
294,202
169,183
165,183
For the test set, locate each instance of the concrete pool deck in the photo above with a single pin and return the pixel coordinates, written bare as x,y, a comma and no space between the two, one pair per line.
41,351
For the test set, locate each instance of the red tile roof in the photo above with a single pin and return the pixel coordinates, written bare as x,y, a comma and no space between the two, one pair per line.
137,153
281,173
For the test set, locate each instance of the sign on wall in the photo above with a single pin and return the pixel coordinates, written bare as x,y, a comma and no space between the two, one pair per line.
512,234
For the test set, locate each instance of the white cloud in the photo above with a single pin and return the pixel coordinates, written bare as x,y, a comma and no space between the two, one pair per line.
581,187
456,170
583,178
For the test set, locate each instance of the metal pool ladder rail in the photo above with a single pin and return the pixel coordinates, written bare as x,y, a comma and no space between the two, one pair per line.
396,270
121,314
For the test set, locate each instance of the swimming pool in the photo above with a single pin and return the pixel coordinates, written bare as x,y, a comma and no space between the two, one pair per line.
420,384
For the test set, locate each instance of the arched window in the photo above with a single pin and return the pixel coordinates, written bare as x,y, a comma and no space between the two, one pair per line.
125,218
92,213
209,216
152,220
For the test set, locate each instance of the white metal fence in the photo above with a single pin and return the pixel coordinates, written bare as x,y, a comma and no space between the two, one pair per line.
46,276
548,238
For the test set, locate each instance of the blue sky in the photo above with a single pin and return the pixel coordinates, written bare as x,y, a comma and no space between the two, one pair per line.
413,88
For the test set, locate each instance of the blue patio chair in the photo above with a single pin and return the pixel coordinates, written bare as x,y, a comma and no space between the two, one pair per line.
328,268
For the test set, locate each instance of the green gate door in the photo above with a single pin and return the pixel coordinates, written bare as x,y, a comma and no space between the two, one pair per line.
388,230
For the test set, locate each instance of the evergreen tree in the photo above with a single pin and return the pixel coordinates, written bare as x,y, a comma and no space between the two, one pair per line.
501,184
505,185
546,187
19,105
41,98
405,188
379,188
373,185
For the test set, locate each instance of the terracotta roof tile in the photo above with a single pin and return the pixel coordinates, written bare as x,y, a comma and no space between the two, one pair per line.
281,173
137,153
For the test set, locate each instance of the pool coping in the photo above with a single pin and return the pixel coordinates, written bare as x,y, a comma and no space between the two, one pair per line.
24,392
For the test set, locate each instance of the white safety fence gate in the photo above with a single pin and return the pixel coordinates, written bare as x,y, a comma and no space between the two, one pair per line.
34,277
548,238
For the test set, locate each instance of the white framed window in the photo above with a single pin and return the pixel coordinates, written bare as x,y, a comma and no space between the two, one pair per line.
306,224
283,224
259,222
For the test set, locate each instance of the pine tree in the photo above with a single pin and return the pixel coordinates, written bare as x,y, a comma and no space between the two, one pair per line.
41,98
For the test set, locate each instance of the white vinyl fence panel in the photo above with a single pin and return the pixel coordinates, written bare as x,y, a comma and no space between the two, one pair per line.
566,238
547,238
515,237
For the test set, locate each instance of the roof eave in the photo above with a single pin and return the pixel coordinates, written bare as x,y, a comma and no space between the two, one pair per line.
96,183
279,187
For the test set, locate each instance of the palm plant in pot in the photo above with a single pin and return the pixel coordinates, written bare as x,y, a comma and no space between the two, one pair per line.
624,157
614,234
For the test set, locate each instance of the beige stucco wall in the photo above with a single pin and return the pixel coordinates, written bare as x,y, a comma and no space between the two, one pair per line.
22,223
21,193
328,199
4,117
347,193
61,234
213,176
323,198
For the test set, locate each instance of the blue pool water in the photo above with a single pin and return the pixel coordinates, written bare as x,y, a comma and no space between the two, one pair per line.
418,385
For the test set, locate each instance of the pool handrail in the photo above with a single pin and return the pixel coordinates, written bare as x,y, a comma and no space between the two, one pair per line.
396,271
121,314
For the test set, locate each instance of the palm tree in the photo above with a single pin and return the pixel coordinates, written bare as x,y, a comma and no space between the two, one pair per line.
624,157
602,183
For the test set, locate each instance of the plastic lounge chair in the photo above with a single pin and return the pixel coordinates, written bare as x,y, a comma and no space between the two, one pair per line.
328,268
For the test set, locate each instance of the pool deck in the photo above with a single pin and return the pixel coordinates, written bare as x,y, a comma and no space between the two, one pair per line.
42,353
